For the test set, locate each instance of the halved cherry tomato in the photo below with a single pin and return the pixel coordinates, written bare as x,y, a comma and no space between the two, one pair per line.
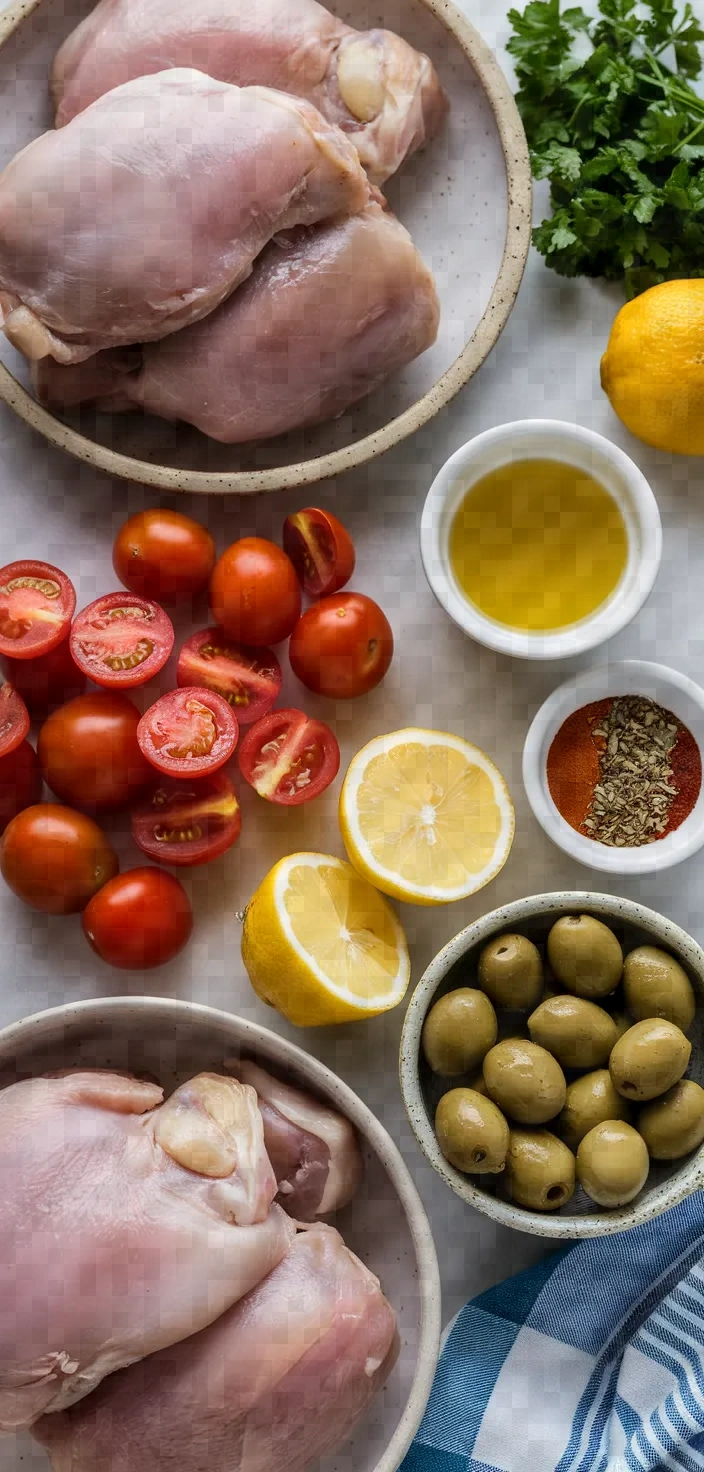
89,753
14,719
320,549
342,646
121,641
248,679
139,919
188,732
188,822
48,680
163,554
254,592
55,859
20,782
289,758
37,603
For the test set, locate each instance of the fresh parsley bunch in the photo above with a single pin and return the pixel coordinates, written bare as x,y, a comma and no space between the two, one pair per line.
615,125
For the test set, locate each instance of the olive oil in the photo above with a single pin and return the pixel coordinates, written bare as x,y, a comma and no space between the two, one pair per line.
538,545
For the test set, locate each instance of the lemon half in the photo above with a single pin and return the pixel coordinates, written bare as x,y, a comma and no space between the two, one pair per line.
426,816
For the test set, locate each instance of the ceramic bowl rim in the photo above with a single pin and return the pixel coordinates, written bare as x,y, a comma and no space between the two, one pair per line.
599,1223
311,1071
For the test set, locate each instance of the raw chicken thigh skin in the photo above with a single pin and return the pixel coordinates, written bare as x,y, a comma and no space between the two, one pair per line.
120,1225
384,94
278,1381
144,213
325,317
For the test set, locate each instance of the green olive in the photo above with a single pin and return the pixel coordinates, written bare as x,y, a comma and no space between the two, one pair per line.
649,1059
525,1081
674,1125
472,1133
585,956
478,1083
578,1033
612,1163
622,1022
655,985
458,1031
591,1100
511,972
540,1170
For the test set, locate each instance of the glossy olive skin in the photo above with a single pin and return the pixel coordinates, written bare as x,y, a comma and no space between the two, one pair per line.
649,1059
585,956
472,1133
511,972
540,1170
673,1126
591,1100
655,985
578,1033
525,1081
612,1163
458,1032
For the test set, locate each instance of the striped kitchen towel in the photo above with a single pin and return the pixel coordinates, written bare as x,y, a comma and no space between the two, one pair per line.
592,1361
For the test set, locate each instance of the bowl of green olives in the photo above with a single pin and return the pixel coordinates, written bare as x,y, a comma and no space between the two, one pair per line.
552,1064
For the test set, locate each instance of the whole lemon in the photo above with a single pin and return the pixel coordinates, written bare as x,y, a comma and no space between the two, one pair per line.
653,367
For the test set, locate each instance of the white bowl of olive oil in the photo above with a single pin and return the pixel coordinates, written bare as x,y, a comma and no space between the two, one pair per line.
541,539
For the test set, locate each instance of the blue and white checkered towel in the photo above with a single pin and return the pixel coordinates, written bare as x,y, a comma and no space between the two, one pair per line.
592,1361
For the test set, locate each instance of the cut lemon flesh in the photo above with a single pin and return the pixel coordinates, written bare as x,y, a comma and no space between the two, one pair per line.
425,816
321,944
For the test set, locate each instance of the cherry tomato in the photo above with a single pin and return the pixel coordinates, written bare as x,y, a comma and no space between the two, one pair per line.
188,822
320,550
342,646
288,758
14,719
48,680
188,732
163,554
254,592
139,919
55,859
248,679
89,753
20,782
37,603
121,641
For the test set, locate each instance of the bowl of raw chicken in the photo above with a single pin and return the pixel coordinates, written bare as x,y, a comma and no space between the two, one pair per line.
250,245
215,1255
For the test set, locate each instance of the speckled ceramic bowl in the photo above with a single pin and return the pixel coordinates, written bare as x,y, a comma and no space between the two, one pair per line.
455,966
385,1224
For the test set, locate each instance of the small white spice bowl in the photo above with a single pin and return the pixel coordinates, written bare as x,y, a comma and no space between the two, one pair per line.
543,439
670,689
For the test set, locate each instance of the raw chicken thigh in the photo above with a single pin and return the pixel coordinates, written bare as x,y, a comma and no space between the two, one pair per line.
325,317
124,1226
277,1381
313,1151
385,95
146,211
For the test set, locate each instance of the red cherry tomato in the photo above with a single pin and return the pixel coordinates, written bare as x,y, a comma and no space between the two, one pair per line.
139,919
48,680
288,758
248,679
37,603
55,859
163,554
320,549
254,592
188,822
89,753
14,719
188,732
342,646
121,641
20,782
